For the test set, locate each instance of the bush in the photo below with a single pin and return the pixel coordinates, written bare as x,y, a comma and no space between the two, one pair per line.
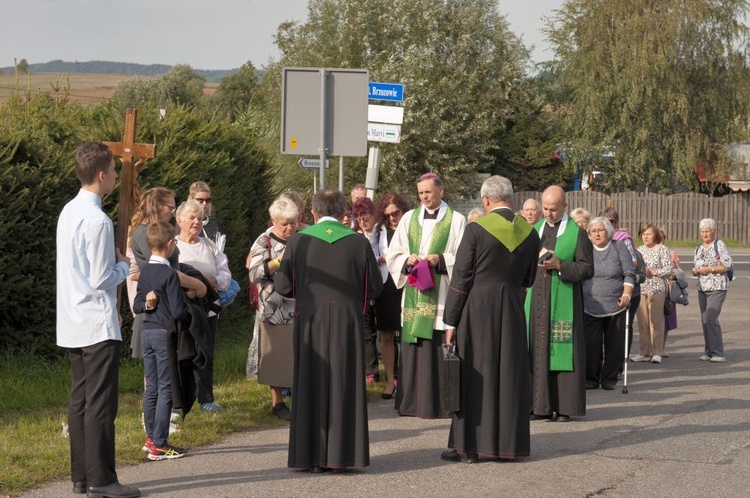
37,140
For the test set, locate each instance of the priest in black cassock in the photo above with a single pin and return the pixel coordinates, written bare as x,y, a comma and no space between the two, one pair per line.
495,261
332,273
554,311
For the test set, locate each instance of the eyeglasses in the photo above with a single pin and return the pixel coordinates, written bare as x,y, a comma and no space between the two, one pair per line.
598,230
202,200
392,214
364,218
171,208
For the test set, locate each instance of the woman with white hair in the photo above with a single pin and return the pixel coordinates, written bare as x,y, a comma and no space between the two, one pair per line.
711,264
276,312
606,297
203,255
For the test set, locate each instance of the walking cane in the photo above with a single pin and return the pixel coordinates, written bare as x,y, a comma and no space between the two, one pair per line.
627,355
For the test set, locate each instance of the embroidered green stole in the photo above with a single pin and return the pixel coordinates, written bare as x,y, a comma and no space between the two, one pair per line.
328,231
420,307
509,234
561,303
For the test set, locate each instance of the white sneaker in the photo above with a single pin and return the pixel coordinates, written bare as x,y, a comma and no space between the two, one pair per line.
704,357
718,359
640,357
656,359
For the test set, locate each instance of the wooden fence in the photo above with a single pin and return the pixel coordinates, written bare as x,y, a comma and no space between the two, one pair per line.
677,214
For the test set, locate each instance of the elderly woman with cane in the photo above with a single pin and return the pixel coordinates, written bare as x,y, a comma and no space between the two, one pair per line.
606,297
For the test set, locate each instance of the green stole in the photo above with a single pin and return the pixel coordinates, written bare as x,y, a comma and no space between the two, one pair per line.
561,302
328,231
420,307
509,234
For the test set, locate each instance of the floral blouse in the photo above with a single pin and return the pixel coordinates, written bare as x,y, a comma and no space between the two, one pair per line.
657,258
706,256
274,308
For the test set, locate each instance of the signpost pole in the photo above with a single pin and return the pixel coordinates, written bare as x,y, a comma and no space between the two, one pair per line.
323,124
341,173
373,168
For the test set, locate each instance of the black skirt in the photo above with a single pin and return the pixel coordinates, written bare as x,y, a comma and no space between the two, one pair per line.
388,307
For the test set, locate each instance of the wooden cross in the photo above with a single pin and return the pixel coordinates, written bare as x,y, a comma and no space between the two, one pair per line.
127,150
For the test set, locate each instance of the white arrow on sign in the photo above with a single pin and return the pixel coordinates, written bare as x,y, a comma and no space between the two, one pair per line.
379,132
312,163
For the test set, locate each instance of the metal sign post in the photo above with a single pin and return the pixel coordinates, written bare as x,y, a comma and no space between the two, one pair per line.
323,108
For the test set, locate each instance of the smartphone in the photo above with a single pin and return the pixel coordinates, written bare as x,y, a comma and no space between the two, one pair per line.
544,255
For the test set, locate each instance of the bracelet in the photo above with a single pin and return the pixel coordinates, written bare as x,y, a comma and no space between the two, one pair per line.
625,295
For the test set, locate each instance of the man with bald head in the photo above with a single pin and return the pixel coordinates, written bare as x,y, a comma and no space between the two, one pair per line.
554,312
532,211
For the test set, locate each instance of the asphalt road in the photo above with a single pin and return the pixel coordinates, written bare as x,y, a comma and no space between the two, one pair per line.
683,430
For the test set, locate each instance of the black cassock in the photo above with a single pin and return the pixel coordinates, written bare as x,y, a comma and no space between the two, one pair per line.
485,300
559,392
330,283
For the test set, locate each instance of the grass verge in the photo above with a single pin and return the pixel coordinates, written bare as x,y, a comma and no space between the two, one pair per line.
33,409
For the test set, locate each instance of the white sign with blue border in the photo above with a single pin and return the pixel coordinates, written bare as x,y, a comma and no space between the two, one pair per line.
391,92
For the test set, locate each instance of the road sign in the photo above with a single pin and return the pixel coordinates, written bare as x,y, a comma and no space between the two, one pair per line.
385,114
344,104
391,92
379,132
312,163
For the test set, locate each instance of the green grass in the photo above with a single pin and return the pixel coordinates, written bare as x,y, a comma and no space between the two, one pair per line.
33,408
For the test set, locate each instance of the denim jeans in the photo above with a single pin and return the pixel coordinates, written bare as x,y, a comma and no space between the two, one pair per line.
157,397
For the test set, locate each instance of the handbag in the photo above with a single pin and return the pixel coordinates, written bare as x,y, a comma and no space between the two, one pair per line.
668,306
450,381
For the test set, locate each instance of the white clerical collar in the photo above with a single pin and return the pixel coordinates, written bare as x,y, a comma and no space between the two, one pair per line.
561,230
441,212
328,218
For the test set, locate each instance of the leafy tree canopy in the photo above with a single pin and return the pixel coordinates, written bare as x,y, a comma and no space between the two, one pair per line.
459,62
658,83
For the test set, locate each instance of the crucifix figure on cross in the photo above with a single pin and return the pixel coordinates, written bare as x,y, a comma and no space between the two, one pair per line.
127,150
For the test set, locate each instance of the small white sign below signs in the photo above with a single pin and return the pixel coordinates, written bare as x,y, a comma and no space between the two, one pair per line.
379,132
385,114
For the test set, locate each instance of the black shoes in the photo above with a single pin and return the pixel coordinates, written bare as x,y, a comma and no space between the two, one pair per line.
590,384
114,490
540,417
281,411
609,386
562,418
80,488
453,456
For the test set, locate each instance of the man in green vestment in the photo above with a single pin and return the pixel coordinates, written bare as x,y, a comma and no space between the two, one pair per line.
429,233
495,263
332,273
554,312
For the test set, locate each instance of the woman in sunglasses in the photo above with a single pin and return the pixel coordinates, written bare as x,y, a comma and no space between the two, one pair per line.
390,208
200,192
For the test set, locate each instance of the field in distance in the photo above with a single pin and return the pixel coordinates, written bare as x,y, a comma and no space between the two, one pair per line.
84,88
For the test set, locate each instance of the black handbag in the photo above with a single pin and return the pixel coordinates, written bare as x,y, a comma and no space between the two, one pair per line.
668,306
450,381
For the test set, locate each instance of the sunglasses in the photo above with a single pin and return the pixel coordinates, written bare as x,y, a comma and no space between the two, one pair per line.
392,213
202,200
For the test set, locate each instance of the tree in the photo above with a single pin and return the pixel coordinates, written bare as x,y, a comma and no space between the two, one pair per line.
458,60
235,91
658,83
22,66
180,86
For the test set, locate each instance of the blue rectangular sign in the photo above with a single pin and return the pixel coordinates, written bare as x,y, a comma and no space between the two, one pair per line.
392,92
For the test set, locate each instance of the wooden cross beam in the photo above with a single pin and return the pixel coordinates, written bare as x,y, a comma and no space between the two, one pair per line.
127,150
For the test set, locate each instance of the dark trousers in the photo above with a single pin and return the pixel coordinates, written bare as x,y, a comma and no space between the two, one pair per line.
608,331
204,377
92,412
157,397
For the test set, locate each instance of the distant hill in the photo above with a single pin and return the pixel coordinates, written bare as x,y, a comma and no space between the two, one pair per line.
124,68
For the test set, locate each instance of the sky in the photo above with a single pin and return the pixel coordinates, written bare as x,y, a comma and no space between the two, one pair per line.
206,34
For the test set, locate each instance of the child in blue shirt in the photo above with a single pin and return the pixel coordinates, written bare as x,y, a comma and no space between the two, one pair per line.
163,301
